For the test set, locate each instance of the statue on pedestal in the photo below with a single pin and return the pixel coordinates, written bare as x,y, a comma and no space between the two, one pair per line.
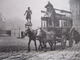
28,17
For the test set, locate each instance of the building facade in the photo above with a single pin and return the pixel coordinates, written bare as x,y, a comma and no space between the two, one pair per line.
75,9
52,20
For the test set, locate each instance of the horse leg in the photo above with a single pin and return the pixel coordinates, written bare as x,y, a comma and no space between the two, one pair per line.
40,46
44,43
51,45
29,45
54,45
35,45
76,40
70,42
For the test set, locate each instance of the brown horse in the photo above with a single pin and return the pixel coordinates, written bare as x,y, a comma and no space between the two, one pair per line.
32,36
46,37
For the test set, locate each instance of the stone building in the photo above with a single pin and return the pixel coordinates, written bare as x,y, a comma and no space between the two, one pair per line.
75,9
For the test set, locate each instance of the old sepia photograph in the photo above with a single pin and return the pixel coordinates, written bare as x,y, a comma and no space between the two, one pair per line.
39,29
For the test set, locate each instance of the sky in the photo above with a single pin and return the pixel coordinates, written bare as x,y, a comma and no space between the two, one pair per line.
12,9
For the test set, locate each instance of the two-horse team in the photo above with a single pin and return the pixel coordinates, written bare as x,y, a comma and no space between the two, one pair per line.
54,35
51,37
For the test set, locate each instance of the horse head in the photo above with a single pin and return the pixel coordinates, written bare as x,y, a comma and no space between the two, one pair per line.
27,32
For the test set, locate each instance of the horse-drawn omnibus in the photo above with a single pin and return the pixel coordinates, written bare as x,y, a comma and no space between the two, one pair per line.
55,27
59,23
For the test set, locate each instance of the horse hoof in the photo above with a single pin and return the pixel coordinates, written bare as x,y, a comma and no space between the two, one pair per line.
45,50
51,49
36,50
54,49
28,50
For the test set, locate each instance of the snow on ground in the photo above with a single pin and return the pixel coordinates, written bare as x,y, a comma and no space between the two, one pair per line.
55,55
12,41
72,53
50,55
